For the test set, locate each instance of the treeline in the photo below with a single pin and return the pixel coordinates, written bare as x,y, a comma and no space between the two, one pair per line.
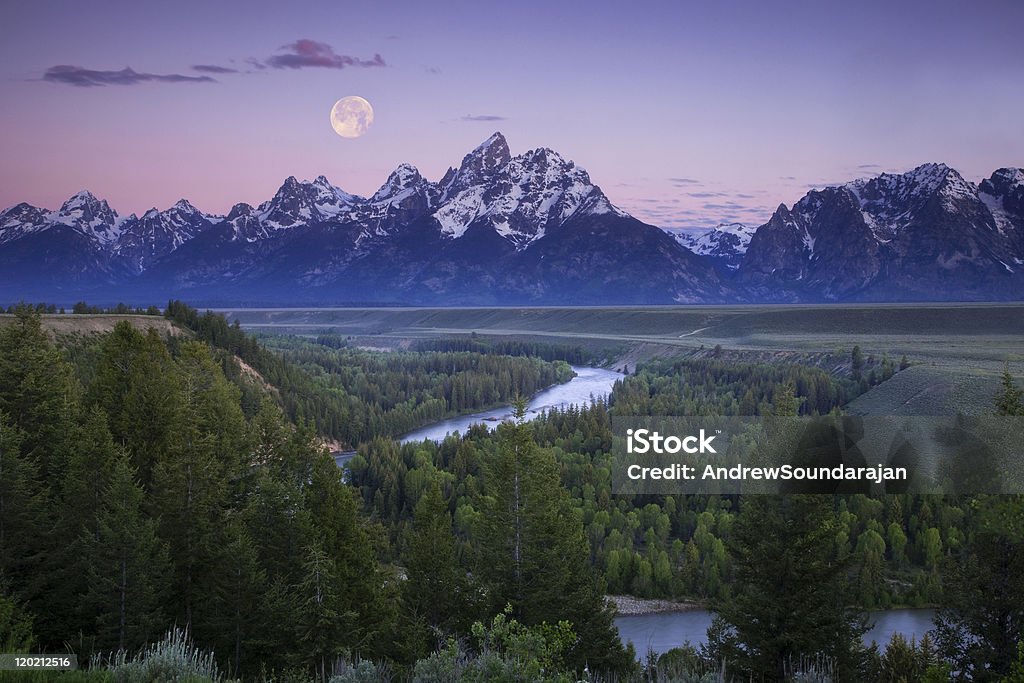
143,497
720,387
377,394
82,307
353,395
576,355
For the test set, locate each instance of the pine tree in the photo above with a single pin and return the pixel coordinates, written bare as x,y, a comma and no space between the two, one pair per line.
190,494
239,606
192,484
784,401
533,553
983,620
90,463
856,362
38,392
435,590
324,624
21,513
791,595
1010,400
127,566
339,534
138,386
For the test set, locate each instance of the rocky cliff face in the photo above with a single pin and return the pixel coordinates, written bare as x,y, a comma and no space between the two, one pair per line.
924,235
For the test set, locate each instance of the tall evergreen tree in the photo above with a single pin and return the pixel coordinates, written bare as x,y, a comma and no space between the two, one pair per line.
239,609
983,621
324,622
138,386
21,508
1010,399
351,552
128,566
791,595
533,553
38,392
435,591
90,463
192,484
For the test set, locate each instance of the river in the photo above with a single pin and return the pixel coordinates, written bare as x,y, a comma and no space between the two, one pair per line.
589,383
663,631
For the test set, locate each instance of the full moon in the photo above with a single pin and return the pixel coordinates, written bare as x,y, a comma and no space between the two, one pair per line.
351,116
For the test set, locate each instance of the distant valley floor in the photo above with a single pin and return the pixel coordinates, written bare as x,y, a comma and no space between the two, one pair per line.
957,350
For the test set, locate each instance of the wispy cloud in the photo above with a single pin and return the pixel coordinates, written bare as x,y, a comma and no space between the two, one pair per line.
706,195
87,78
867,167
483,117
305,53
684,181
213,69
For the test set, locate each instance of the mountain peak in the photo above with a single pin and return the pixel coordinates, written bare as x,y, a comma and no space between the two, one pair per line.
185,206
79,200
238,210
493,153
726,242
496,139
481,164
90,216
404,177
1007,178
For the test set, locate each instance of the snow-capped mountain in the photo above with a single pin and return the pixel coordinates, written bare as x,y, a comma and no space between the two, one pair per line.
157,233
521,199
925,234
531,228
726,242
90,216
82,212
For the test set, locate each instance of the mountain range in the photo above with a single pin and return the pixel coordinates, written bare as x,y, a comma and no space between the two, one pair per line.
528,229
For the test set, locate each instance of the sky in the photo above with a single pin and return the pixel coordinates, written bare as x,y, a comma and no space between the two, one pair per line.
686,114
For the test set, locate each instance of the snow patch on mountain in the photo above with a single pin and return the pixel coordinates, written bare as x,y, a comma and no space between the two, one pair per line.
456,215
524,198
90,216
889,202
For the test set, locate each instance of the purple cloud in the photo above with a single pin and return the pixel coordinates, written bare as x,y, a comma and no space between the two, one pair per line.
484,117
87,78
213,69
310,53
